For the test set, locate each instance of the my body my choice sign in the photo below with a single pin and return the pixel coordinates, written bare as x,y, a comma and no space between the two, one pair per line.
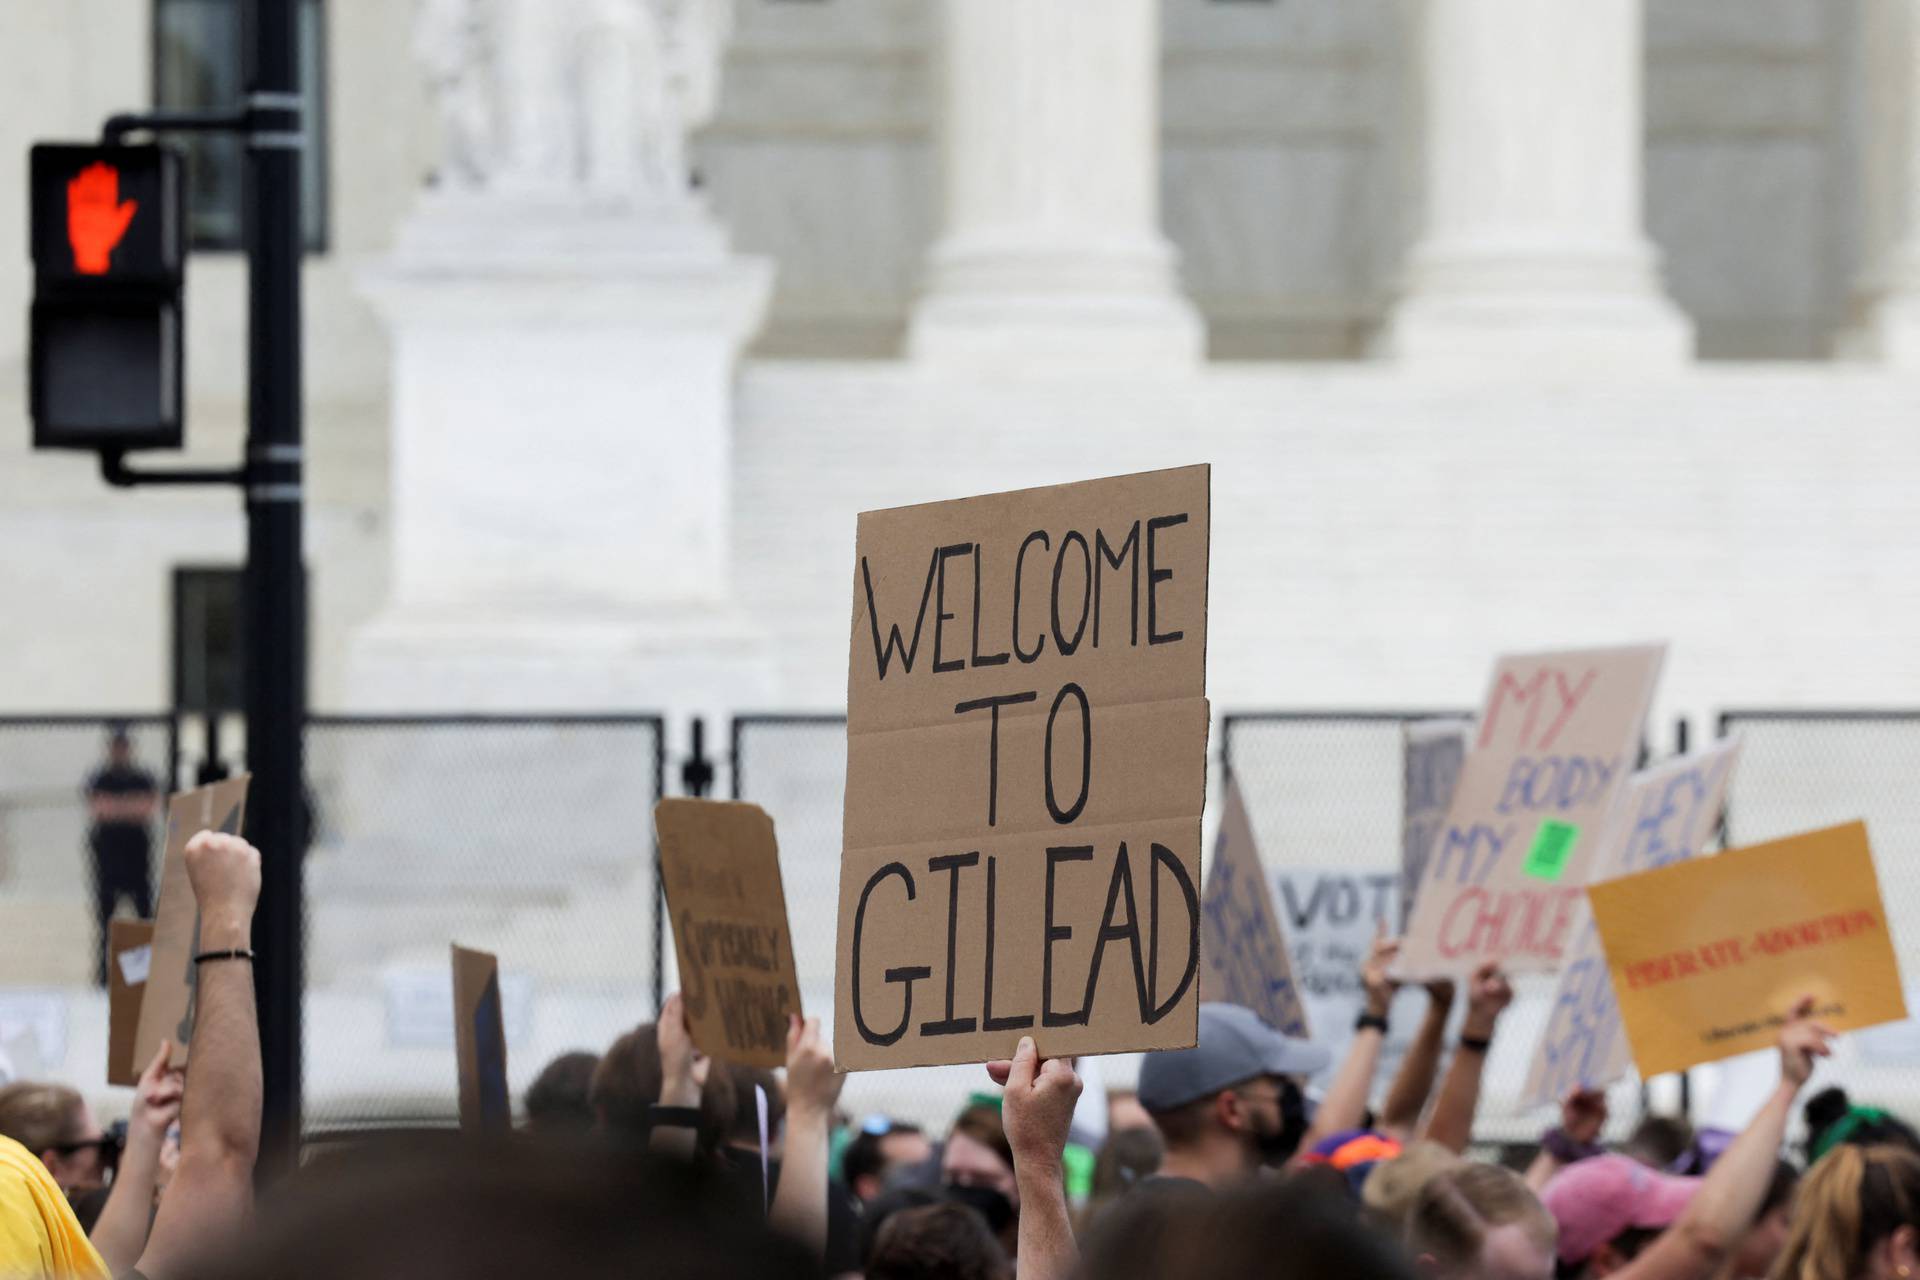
1026,768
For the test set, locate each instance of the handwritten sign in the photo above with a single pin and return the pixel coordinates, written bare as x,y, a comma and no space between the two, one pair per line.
1556,736
129,962
1026,768
166,1009
730,931
1708,956
1242,948
1663,815
1435,751
480,1042
1331,917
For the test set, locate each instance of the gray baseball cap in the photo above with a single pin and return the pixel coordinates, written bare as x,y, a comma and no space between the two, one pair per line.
1235,1047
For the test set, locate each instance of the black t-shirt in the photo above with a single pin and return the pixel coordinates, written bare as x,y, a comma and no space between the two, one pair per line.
843,1218
121,780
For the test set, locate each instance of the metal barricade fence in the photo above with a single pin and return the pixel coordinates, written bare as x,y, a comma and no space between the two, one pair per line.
528,836
1802,770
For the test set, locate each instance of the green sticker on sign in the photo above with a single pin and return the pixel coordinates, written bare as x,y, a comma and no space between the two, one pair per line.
1552,850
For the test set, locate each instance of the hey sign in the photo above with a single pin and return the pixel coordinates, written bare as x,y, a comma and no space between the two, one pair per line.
1243,951
1556,736
721,868
1708,956
1663,815
1026,768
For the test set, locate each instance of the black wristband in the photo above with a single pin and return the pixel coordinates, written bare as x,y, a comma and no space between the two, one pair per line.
1370,1022
1475,1043
237,953
666,1117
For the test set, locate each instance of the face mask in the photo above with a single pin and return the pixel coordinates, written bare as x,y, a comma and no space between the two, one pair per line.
985,1201
1279,1146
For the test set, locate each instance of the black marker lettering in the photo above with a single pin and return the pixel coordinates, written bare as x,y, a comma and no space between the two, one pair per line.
1157,576
1014,1021
951,863
907,976
1057,933
981,659
1086,591
1110,932
883,654
940,613
1163,856
993,741
1130,549
1019,565
1065,816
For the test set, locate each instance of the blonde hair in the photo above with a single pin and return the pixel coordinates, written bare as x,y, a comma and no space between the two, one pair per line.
1459,1206
1848,1203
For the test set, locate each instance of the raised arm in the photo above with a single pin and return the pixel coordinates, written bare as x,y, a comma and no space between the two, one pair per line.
1413,1083
1731,1194
211,1192
1037,1111
1451,1124
1583,1114
800,1203
683,1077
121,1231
1345,1104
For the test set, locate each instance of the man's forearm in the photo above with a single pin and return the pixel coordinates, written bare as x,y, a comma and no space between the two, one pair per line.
1731,1194
1345,1103
1047,1250
800,1203
220,1112
1451,1124
1413,1083
120,1233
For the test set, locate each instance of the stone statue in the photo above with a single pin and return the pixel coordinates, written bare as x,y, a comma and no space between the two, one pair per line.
594,96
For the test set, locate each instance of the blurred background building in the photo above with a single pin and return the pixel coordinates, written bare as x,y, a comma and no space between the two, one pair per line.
1505,325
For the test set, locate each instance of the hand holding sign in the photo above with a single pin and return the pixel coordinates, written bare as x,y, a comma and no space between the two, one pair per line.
1038,1106
813,1086
1801,1041
683,1068
225,873
1374,973
1488,996
156,1099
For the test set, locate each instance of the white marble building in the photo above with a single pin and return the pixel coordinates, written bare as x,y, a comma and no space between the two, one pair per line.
1503,324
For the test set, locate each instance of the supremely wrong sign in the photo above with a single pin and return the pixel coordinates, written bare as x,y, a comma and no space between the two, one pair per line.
1557,735
1026,767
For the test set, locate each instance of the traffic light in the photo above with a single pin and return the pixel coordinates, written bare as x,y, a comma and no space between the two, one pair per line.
108,259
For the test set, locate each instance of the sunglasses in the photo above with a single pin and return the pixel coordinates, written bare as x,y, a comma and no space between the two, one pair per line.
110,1145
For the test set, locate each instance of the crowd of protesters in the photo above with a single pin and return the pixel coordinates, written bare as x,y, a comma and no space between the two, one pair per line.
648,1159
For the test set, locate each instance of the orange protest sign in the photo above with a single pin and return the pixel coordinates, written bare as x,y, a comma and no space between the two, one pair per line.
1708,956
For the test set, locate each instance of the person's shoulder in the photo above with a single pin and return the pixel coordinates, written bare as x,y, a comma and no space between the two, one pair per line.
1161,1184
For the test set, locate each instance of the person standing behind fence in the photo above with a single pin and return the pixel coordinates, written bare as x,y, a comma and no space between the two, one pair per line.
122,798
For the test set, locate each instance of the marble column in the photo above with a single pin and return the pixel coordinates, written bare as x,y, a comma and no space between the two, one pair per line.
1886,298
1532,246
1051,251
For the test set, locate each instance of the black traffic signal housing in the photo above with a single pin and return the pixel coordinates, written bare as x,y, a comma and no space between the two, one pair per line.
109,258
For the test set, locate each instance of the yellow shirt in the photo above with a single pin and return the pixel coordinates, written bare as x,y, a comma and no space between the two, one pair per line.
39,1236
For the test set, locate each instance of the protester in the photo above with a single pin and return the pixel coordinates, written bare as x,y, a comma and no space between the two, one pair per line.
122,799
55,1123
1619,1218
1393,1187
1480,1221
1038,1111
944,1241
627,1087
1857,1217
976,1168
1659,1142
882,1147
1833,1119
1128,1158
1413,1084
1231,1103
558,1102
39,1236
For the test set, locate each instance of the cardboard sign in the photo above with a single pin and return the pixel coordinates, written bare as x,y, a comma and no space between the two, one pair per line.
166,1009
730,932
1557,735
129,962
1026,768
1243,952
1331,918
480,1042
1663,815
1708,956
1434,753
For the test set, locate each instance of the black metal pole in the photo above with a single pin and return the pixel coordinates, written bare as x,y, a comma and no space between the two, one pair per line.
275,594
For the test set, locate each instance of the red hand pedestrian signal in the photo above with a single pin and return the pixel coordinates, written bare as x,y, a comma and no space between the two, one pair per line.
96,220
